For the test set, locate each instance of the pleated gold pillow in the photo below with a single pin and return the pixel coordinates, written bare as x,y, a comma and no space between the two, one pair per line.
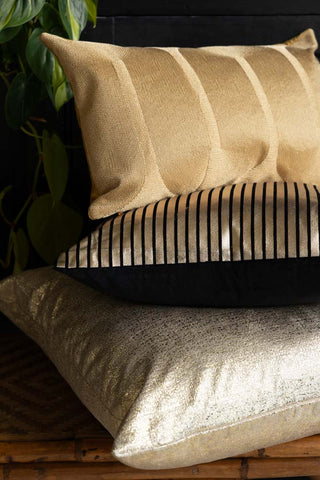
159,122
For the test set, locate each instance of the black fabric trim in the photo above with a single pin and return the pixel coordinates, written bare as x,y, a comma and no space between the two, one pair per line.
89,251
187,227
211,284
220,222
110,242
176,210
254,185
318,196
143,220
121,238
99,246
132,235
154,235
230,222
308,219
263,221
241,220
198,226
275,220
286,220
78,255
165,211
209,223
297,219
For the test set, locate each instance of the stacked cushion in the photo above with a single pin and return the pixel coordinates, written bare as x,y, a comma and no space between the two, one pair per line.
239,245
176,386
159,122
205,167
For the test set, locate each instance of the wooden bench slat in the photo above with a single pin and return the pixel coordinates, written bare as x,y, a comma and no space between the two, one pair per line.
78,450
304,447
99,450
237,469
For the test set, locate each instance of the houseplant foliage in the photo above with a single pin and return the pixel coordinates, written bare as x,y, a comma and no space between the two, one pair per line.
31,74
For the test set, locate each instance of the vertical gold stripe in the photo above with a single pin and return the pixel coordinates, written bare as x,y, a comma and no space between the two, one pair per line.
170,230
159,235
303,221
292,246
269,221
236,222
203,227
286,228
127,240
181,230
258,222
214,225
247,223
280,221
94,262
148,235
314,220
72,257
83,258
225,231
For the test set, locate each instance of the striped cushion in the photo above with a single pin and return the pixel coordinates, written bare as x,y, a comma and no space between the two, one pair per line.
244,244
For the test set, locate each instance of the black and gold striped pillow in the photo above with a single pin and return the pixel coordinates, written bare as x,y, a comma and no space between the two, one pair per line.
244,244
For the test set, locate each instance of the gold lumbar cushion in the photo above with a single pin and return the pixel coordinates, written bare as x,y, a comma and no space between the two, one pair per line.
158,122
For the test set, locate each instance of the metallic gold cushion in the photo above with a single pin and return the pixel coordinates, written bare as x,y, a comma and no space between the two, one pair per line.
159,122
176,386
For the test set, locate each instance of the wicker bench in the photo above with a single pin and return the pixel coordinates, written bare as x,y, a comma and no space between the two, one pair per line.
47,434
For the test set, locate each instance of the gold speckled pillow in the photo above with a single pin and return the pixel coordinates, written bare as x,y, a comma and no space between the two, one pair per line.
176,386
158,122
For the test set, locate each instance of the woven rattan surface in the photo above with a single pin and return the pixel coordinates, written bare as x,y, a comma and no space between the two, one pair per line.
35,401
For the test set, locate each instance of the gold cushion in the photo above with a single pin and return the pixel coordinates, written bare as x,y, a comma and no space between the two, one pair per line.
176,386
158,122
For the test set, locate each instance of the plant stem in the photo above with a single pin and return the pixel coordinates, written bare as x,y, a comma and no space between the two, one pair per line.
5,219
24,130
21,64
26,203
4,78
38,144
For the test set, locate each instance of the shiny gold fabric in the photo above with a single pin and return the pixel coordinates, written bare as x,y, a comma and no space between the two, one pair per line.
261,221
176,386
158,122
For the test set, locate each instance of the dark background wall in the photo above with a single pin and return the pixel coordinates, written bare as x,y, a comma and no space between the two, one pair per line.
153,22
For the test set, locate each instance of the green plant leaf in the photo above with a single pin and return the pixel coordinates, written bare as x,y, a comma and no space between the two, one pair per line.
22,11
49,17
39,57
62,94
56,166
21,99
8,34
20,249
53,227
47,68
74,16
92,6
17,44
6,10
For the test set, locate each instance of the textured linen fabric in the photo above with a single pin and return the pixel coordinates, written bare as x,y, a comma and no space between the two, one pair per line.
159,122
176,386
238,245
